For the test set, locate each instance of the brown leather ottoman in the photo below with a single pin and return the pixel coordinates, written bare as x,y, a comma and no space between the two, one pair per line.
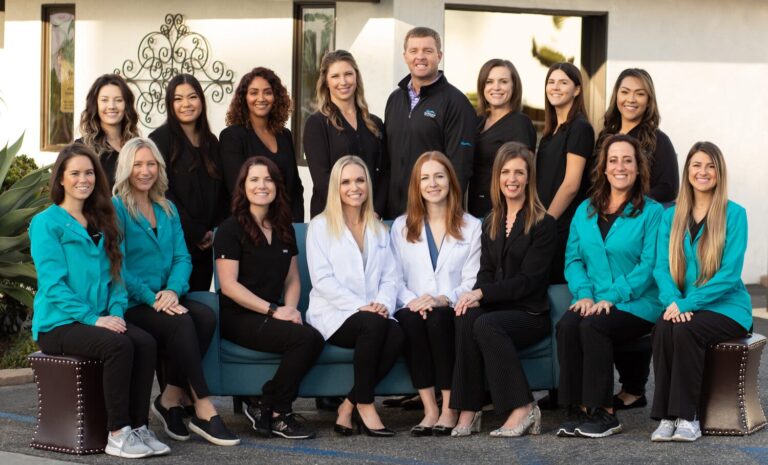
730,397
71,416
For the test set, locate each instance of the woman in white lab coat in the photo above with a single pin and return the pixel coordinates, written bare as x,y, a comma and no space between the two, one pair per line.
354,287
437,249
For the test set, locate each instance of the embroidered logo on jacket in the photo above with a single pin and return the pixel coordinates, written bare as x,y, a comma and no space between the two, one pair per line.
430,113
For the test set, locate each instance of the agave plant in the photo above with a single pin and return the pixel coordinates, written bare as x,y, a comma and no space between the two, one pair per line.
18,204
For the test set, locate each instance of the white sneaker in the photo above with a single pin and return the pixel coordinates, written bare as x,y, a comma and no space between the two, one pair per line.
687,431
150,440
664,431
127,444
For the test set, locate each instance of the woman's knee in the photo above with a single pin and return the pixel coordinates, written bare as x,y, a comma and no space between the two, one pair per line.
395,336
484,326
569,322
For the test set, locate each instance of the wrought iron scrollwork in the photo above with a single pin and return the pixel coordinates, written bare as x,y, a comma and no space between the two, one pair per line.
162,55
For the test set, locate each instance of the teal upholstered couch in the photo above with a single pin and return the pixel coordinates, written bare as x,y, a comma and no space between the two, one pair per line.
234,370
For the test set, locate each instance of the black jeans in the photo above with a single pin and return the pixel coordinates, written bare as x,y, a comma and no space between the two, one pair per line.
429,347
486,347
182,341
300,346
679,351
585,353
202,270
129,366
378,343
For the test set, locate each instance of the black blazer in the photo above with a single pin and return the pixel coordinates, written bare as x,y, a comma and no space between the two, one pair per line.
514,270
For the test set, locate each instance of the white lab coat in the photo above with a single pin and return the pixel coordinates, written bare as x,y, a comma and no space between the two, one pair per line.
340,284
457,263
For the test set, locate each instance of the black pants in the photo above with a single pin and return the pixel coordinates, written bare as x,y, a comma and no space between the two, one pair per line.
129,365
182,340
202,269
378,343
634,367
429,346
300,346
585,353
679,351
486,347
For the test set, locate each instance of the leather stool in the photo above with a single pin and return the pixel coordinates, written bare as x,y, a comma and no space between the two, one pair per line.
71,416
730,396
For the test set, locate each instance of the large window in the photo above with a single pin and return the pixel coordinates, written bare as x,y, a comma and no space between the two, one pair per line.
315,35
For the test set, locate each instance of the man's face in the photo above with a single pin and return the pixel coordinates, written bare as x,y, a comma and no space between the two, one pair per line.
422,57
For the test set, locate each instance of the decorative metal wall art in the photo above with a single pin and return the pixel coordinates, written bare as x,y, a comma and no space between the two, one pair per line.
162,55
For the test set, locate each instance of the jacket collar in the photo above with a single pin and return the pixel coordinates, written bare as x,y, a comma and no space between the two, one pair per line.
425,90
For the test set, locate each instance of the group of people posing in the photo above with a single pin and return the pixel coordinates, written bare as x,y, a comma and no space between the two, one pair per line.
131,232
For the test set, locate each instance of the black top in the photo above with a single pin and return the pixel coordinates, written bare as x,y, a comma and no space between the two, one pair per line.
514,126
576,137
606,220
108,161
694,227
262,269
514,269
665,177
324,145
94,233
443,120
238,144
200,199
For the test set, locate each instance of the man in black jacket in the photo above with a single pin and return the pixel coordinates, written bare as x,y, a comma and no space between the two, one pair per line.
426,113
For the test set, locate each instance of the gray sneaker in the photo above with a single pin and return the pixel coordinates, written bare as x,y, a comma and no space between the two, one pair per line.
687,431
127,444
150,440
664,432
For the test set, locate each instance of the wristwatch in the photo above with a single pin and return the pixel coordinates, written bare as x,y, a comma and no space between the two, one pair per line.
272,309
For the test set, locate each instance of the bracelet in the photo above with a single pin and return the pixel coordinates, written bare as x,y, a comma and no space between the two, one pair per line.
271,310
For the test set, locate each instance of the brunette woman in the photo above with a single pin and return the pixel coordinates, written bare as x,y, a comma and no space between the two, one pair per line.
508,309
81,297
258,302
437,251
256,127
343,126
354,288
701,247
108,121
608,264
499,99
566,146
157,271
191,153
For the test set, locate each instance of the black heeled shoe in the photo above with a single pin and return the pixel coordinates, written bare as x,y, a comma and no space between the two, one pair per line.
441,430
342,430
421,431
374,433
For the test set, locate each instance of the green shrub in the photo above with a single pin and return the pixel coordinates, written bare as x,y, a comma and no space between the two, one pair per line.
16,355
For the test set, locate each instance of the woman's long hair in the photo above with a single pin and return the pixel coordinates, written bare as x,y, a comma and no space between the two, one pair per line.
123,188
648,124
238,112
208,143
97,208
601,189
534,209
90,122
515,101
334,212
324,104
417,208
577,107
712,241
278,212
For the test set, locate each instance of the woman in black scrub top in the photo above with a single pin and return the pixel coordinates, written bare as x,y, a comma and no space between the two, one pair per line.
343,126
256,126
499,98
256,262
566,147
633,110
191,153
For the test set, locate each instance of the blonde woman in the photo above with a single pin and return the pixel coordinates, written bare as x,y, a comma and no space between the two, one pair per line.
354,288
158,266
701,247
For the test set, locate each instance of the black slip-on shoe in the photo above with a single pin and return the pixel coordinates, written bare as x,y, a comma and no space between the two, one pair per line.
213,431
172,420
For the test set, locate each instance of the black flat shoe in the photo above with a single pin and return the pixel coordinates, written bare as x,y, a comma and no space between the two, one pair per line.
421,431
619,404
342,430
374,433
441,430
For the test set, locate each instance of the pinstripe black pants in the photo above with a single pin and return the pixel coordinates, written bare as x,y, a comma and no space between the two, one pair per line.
486,348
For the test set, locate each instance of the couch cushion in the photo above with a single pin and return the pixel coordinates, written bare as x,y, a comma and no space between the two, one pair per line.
233,353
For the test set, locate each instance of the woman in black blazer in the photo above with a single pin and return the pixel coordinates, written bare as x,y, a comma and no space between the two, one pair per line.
256,126
343,126
508,309
191,153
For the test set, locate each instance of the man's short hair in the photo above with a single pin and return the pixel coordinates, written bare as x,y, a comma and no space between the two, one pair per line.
421,31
